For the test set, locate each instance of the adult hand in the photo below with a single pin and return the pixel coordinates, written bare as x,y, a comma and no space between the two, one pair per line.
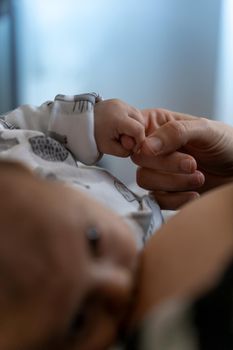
183,156
60,287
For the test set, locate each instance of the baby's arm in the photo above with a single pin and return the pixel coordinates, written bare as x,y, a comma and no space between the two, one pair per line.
30,117
68,119
90,126
85,124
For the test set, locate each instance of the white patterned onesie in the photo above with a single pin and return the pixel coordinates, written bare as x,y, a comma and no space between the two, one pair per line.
56,140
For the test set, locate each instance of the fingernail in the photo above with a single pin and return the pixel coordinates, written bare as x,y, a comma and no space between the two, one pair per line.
187,165
198,179
155,144
194,195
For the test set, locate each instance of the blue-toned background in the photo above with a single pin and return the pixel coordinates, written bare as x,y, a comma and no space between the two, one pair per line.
175,54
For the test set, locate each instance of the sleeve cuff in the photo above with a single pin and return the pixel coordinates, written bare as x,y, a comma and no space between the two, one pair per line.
72,123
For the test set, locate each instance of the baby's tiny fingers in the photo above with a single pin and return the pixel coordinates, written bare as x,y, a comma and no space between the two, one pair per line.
134,129
127,142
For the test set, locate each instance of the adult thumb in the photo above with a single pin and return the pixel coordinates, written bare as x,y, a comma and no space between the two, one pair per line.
177,133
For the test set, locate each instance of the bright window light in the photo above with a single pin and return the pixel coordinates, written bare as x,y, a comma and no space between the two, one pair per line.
224,98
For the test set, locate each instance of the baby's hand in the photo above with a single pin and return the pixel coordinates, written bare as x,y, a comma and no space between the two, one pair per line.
119,128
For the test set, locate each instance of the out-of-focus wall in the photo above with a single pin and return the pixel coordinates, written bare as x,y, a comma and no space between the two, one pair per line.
149,53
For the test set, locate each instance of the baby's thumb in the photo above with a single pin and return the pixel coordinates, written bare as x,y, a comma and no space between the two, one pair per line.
127,142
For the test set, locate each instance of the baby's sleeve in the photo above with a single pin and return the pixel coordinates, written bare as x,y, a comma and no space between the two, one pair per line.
68,119
72,123
29,117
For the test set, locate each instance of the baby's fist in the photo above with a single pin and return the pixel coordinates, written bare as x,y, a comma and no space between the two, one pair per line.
119,128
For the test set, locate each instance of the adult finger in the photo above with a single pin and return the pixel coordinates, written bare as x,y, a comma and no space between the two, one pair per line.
174,200
176,162
152,180
156,117
177,133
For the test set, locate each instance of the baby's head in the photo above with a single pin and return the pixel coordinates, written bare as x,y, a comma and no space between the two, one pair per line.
72,284
105,269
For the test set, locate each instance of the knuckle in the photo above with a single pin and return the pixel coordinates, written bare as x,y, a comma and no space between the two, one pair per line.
161,112
139,129
163,115
136,111
160,116
177,129
136,114
205,122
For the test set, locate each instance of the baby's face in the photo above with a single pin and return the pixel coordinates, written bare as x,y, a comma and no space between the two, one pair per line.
105,271
68,265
